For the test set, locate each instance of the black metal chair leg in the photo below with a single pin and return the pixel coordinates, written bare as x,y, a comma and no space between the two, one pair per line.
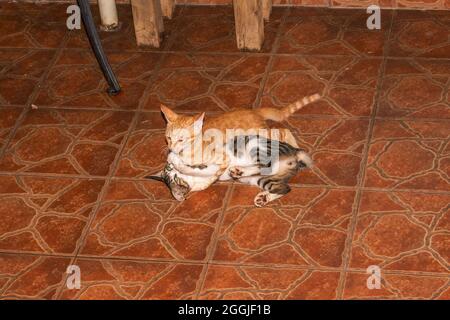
96,45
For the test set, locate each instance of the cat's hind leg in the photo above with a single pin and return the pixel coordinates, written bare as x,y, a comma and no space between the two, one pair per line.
272,189
264,197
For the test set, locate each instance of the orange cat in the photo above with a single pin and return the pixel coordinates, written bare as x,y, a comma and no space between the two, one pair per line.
185,135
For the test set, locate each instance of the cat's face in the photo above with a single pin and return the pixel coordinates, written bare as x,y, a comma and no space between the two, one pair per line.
181,130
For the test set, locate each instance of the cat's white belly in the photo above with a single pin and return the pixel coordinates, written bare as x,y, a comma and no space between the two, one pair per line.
200,179
197,179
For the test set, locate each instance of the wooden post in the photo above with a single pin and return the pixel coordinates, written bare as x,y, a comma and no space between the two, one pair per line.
167,8
159,14
267,9
249,24
147,19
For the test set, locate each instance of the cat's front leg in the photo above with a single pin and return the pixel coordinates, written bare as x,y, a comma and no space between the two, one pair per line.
192,170
238,172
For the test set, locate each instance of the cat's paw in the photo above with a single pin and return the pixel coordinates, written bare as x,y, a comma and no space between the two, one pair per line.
261,199
236,173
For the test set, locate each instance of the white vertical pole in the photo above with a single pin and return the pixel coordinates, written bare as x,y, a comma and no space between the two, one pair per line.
108,13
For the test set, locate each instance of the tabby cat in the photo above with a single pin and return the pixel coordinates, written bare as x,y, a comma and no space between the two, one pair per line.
266,163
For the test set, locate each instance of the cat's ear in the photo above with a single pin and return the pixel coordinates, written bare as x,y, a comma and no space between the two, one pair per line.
198,123
169,114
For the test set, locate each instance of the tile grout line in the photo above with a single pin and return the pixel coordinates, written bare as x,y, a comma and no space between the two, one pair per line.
245,53
221,263
95,208
256,104
295,116
136,115
271,55
81,240
358,198
295,185
213,243
97,204
107,179
156,70
26,107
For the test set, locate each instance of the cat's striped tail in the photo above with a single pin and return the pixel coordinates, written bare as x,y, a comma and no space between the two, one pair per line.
279,115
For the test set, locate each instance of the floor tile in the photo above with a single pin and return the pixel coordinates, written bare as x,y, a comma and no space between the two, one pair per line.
420,34
259,283
20,31
45,214
31,277
347,84
122,279
409,155
20,71
76,80
195,82
8,119
146,149
402,231
38,11
128,235
141,219
336,147
307,227
344,33
11,8
215,32
396,286
66,142
416,88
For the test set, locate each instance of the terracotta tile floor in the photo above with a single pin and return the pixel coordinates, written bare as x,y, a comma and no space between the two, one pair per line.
71,171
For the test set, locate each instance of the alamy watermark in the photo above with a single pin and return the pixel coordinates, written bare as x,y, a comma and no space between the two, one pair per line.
73,281
374,280
74,19
374,20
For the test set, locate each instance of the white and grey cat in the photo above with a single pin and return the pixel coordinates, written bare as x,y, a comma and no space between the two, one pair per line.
255,160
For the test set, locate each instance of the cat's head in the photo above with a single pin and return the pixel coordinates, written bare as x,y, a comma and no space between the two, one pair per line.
177,186
181,129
